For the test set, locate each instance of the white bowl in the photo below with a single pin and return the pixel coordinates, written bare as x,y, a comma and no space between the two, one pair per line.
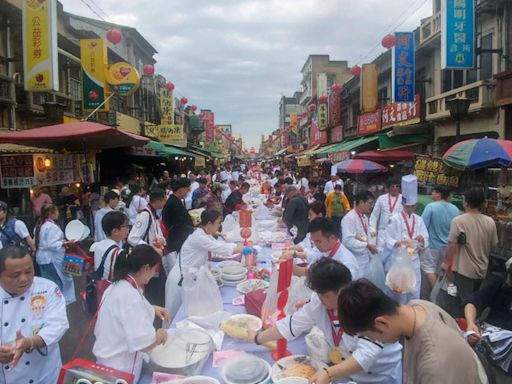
251,285
246,369
244,321
292,380
198,380
233,283
233,277
234,270
224,264
74,230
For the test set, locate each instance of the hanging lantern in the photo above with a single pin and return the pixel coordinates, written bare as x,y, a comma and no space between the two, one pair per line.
148,69
169,86
183,100
312,107
201,115
336,88
388,41
322,99
305,114
114,36
356,70
193,108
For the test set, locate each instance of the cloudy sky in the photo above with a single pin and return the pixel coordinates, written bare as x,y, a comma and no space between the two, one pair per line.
238,57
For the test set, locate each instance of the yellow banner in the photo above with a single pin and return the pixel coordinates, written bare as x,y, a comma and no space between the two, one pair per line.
150,130
294,123
172,134
127,123
200,162
40,55
123,78
167,106
369,88
93,54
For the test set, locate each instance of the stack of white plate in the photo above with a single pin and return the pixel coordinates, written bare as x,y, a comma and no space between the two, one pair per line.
77,231
233,274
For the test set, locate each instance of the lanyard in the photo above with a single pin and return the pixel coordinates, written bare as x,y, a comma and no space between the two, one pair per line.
363,223
409,230
334,250
392,207
336,329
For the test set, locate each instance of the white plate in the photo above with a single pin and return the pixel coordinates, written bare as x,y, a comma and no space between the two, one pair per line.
245,368
74,230
229,283
226,263
251,285
292,380
284,368
199,380
236,277
244,321
87,232
233,270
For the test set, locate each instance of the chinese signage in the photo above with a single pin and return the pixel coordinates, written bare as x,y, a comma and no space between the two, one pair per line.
457,34
317,136
403,67
294,128
336,134
17,171
94,62
123,78
336,157
304,161
322,116
200,162
369,123
150,130
334,109
432,171
396,114
172,134
209,126
166,106
127,123
369,86
142,151
40,56
56,169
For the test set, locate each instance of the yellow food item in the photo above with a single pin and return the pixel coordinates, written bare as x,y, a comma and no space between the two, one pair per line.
240,333
300,370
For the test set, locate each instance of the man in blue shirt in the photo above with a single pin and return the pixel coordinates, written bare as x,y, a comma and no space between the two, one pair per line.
438,218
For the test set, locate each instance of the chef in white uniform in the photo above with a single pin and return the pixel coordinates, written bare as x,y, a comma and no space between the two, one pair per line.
355,358
329,186
33,319
386,207
408,230
355,231
194,254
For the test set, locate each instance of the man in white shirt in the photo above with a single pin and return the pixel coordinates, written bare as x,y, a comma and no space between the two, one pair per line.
355,231
111,200
335,179
351,357
193,186
386,207
138,202
228,190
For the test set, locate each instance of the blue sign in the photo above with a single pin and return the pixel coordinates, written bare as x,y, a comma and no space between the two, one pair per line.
457,34
403,67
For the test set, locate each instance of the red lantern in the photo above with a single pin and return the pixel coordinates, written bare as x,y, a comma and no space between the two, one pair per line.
312,107
169,86
193,108
149,69
336,88
388,41
201,115
183,100
356,70
322,99
114,36
305,114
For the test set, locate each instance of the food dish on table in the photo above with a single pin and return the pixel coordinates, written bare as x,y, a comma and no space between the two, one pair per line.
251,285
295,366
246,369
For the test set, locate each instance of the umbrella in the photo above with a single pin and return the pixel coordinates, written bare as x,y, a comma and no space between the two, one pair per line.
479,153
360,166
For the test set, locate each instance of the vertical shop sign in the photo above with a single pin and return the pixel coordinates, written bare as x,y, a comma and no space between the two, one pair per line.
40,58
93,53
294,128
322,116
369,88
457,34
334,109
403,67
167,106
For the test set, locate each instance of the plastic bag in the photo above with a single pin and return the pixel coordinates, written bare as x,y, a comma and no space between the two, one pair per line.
201,295
299,292
317,345
229,224
262,213
401,277
269,308
376,272
440,283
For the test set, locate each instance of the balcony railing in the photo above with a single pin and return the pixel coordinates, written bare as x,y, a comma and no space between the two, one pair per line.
430,28
35,101
481,92
349,132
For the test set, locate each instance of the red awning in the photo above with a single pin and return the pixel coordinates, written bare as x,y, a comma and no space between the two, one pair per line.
392,155
74,136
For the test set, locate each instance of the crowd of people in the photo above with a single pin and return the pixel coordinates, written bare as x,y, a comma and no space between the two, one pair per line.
145,242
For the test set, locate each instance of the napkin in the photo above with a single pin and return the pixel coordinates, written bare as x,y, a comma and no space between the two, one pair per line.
220,357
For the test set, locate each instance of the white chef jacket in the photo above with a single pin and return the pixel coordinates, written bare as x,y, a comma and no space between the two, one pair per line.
20,228
40,310
124,327
100,250
380,362
303,182
307,246
99,234
188,198
352,227
381,215
194,254
329,186
343,255
225,194
51,251
136,235
138,204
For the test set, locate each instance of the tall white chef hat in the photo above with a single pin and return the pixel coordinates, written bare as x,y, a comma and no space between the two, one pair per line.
409,190
334,170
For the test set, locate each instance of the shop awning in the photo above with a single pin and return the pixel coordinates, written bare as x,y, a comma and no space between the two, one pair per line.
16,148
74,136
391,155
307,152
174,151
350,145
323,150
394,142
280,152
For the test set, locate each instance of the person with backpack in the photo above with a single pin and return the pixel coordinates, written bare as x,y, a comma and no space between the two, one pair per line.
14,231
50,252
336,205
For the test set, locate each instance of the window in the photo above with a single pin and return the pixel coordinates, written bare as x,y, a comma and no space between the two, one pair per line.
486,57
437,6
383,97
355,114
